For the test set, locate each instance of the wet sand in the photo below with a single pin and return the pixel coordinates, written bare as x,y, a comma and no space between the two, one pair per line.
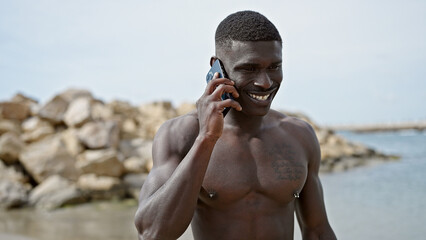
95,221
4,236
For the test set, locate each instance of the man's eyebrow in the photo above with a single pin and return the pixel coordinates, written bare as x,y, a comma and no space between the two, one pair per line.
248,64
277,63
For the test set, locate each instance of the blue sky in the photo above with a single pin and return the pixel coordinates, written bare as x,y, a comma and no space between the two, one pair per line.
344,61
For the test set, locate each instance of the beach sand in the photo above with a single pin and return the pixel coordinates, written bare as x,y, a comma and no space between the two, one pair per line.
94,221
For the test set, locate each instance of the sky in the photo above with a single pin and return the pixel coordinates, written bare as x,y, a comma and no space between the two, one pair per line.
345,62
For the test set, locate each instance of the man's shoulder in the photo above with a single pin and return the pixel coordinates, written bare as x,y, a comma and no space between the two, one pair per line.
286,121
178,133
293,125
180,123
300,130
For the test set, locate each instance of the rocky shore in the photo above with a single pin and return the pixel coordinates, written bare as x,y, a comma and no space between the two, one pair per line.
76,148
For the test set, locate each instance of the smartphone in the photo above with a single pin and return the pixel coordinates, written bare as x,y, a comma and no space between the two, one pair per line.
217,67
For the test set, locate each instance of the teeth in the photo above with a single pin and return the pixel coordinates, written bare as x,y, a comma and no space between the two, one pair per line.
262,98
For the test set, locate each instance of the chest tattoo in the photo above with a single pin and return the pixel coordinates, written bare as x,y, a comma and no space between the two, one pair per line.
284,163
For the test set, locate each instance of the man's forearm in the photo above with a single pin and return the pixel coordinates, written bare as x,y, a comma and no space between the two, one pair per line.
168,212
324,234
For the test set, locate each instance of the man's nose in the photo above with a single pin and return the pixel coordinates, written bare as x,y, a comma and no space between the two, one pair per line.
263,81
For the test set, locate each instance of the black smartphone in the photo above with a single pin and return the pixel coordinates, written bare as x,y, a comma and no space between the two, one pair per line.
217,67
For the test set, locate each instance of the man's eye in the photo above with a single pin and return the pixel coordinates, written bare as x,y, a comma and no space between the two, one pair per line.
249,69
275,67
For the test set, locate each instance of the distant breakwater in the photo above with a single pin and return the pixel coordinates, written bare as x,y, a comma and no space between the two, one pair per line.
382,127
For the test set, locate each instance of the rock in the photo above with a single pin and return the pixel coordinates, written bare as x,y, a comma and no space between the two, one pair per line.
330,151
48,157
338,147
129,128
158,110
70,94
153,115
101,112
14,186
336,140
72,143
35,129
135,165
55,192
345,163
359,150
138,153
98,134
99,183
185,108
30,102
323,134
101,162
101,187
35,109
14,173
123,108
32,124
78,112
21,98
10,147
12,194
134,182
54,110
7,125
338,154
125,115
136,147
14,110
334,147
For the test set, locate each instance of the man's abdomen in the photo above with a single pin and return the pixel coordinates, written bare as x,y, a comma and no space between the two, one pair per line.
253,217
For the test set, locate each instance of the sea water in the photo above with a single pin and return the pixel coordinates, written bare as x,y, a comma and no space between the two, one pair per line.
386,201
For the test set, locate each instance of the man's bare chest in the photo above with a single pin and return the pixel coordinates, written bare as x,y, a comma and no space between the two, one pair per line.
274,170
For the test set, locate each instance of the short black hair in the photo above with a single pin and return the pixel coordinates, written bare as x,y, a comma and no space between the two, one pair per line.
246,26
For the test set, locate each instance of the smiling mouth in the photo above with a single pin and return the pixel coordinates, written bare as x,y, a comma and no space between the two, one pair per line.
259,97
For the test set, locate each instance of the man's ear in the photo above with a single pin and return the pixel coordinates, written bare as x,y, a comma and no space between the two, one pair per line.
212,60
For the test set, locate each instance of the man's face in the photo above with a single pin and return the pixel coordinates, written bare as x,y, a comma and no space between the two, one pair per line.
256,69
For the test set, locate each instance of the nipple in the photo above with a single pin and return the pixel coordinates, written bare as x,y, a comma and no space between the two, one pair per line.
296,194
212,194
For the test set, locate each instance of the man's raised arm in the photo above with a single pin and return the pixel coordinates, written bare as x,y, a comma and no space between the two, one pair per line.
181,152
169,196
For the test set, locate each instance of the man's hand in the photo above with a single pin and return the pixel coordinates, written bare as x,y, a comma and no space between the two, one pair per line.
210,106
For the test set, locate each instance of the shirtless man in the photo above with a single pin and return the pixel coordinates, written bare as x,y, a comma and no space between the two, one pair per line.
242,176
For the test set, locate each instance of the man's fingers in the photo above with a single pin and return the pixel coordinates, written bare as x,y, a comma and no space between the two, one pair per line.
215,82
223,88
230,103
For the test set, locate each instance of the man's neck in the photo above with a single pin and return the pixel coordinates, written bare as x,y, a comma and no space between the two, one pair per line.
242,123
